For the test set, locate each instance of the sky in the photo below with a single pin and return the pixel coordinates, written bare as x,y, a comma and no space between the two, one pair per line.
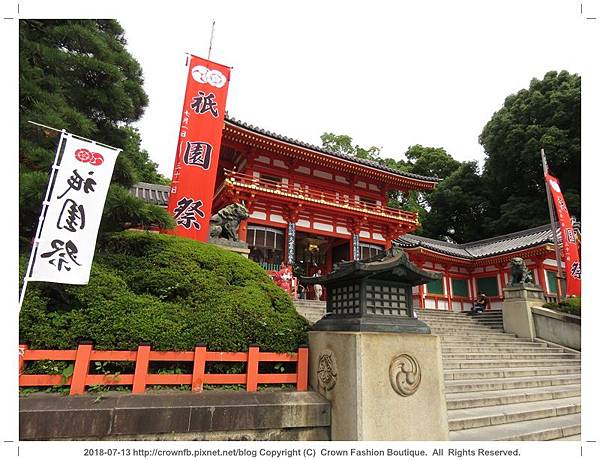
389,74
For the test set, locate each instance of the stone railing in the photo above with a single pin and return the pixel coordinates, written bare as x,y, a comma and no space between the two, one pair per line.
556,327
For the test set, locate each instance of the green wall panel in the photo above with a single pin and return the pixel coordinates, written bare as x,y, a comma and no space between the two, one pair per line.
435,287
460,288
487,285
551,281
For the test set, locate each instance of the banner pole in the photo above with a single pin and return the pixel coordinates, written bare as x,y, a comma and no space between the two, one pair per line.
212,33
560,277
42,216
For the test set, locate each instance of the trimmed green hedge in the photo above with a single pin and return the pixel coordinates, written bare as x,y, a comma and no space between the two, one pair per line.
571,306
165,290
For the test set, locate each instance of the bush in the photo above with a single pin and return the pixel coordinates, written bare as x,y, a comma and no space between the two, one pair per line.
165,290
571,306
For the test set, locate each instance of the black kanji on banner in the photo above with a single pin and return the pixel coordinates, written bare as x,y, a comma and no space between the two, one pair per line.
187,211
203,103
198,154
576,270
58,256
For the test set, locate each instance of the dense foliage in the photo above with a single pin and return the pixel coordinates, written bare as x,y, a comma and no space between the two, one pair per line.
78,75
509,194
168,291
546,115
571,305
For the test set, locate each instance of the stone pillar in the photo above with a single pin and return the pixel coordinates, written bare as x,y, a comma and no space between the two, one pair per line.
378,365
382,386
291,243
516,309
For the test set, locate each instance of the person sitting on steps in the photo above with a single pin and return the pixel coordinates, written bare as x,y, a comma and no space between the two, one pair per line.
480,304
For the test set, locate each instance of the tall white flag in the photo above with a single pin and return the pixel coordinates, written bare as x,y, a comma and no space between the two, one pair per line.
65,246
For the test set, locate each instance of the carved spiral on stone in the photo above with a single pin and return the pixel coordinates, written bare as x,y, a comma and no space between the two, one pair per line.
327,370
405,374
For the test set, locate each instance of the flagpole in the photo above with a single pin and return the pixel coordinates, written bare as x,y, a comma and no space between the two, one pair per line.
560,276
42,216
212,33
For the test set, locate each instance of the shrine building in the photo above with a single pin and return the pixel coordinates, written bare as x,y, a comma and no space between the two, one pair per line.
313,208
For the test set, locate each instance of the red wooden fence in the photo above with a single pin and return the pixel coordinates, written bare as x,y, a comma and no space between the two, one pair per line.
143,356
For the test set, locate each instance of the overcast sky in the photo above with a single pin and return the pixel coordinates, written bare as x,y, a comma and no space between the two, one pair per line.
424,72
389,74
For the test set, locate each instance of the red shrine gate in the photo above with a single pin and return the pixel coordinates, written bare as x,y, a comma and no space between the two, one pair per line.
308,206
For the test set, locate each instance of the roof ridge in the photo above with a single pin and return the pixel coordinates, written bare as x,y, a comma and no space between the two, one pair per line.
364,161
508,236
447,243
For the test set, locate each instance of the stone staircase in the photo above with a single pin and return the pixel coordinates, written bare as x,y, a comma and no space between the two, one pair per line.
503,388
312,310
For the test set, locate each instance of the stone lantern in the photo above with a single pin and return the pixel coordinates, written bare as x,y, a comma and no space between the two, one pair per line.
373,294
378,365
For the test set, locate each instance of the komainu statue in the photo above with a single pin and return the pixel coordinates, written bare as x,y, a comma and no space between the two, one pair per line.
519,273
226,222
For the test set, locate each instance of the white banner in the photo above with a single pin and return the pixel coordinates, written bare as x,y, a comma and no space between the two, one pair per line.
66,244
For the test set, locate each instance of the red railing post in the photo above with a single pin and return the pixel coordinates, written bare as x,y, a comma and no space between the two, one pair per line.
81,368
141,369
302,369
199,365
252,368
22,350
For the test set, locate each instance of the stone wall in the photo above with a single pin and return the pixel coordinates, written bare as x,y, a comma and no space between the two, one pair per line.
556,327
214,415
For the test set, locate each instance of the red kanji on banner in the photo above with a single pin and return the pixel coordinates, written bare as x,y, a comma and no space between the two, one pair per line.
198,147
569,242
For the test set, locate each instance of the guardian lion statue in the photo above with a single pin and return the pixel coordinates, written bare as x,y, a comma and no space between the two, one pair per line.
519,273
226,222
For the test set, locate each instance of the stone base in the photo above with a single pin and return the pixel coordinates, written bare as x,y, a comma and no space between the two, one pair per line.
363,373
241,248
372,324
176,416
516,309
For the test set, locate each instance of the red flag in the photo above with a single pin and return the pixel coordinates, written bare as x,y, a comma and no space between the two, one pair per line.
197,157
569,240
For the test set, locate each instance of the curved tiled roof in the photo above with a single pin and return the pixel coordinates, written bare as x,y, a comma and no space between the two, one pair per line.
483,248
151,193
343,156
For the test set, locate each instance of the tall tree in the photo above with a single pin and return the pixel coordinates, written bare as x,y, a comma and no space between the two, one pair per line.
546,115
457,206
342,143
78,75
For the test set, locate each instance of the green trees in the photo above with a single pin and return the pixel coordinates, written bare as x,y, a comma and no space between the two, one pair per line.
546,115
509,194
77,75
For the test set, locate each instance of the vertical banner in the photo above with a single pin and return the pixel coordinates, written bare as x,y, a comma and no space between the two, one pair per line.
64,249
569,239
198,148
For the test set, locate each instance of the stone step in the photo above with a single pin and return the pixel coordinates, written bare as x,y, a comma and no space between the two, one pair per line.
472,374
495,356
499,340
463,419
533,346
461,319
501,364
576,437
484,327
531,430
478,335
507,383
470,400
